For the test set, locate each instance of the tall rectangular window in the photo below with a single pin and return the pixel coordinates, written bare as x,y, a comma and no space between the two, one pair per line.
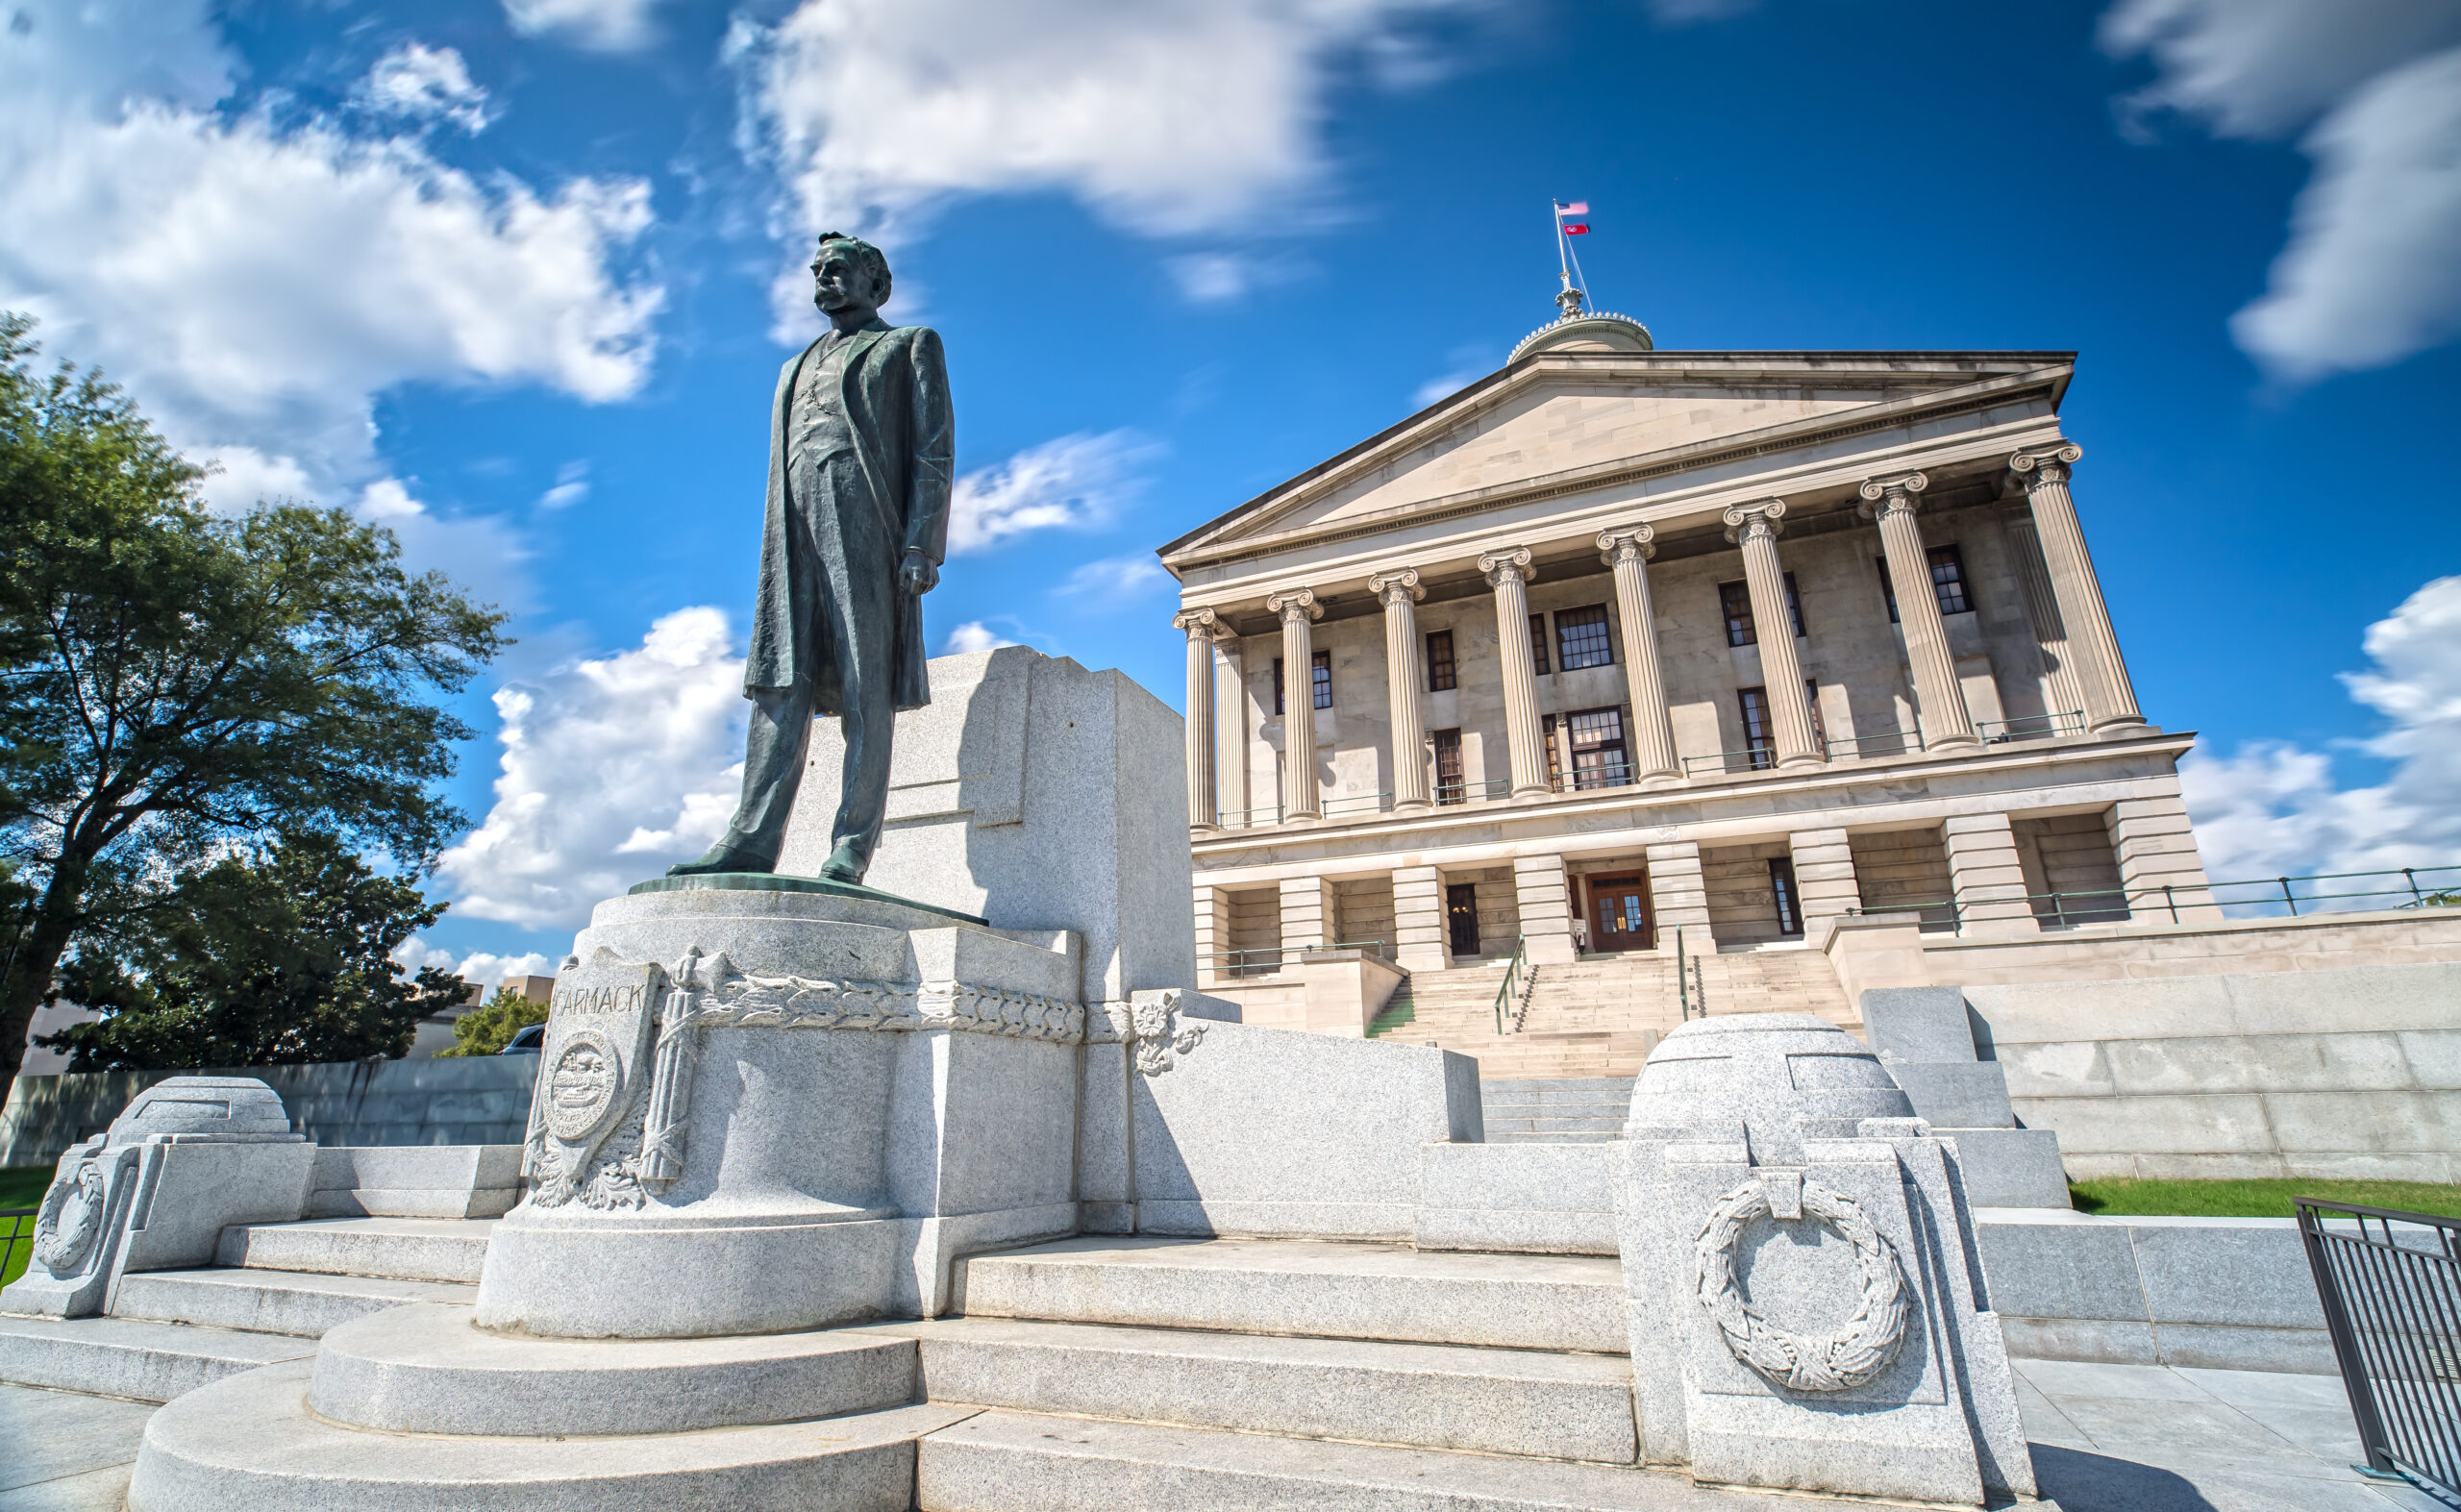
1554,758
1439,661
1759,729
1321,663
1538,644
1947,581
1819,731
1581,639
1782,887
1597,739
1450,786
1734,601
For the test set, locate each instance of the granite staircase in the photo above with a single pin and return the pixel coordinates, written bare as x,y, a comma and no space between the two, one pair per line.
1602,1015
276,1290
1249,1374
1556,1110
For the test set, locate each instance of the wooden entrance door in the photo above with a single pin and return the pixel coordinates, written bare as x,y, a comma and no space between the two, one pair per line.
1461,918
1619,914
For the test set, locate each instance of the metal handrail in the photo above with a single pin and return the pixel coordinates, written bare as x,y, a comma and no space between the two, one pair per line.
1511,976
1759,758
1383,948
2111,904
1682,983
2391,1305
1492,788
1382,800
21,1223
1588,780
2034,726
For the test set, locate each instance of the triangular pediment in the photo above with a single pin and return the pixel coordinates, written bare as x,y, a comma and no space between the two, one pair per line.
1564,416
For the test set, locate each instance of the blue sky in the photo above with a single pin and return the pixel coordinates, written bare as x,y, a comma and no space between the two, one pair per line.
516,277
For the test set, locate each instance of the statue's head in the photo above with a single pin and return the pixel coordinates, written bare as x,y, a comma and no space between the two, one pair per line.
848,273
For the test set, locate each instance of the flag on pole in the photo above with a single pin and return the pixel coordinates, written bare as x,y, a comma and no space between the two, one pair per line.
1575,208
1576,228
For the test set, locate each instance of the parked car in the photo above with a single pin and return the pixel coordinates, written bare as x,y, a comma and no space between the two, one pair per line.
528,1040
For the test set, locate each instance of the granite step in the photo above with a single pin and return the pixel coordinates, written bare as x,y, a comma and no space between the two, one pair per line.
300,1303
1005,1461
1517,1136
250,1442
1309,1287
1426,1396
389,1249
131,1357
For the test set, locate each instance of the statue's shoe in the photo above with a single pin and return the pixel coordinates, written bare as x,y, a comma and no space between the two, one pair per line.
723,857
843,866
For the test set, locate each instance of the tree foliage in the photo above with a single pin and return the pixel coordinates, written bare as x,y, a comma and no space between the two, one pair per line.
274,958
488,1028
178,681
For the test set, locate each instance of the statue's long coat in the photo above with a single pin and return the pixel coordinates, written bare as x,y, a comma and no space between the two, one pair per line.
896,392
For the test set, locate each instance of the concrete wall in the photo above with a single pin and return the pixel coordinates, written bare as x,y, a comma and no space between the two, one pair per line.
2339,1072
478,1099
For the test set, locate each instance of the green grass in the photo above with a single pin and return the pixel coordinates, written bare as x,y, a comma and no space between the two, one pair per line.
2269,1198
21,1186
1393,1017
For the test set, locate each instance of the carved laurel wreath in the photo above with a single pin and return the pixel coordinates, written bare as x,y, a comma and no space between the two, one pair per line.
71,1213
1847,1356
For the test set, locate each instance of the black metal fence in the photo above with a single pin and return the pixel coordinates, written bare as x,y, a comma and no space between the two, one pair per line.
16,1240
2391,1287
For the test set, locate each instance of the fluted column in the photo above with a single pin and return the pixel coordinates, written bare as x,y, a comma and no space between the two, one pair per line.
1507,572
1204,627
1945,720
1627,551
1754,528
1297,609
1399,591
2110,699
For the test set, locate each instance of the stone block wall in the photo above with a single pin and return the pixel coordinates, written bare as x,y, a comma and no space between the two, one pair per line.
1903,867
2339,1072
1743,908
477,1099
1363,906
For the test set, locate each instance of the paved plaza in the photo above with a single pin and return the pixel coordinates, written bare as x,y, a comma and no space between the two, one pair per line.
2106,1438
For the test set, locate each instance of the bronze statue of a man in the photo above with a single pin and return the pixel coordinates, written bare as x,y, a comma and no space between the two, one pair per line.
860,441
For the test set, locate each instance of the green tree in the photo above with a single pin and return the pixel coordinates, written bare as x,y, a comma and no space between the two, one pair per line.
177,683
488,1028
274,958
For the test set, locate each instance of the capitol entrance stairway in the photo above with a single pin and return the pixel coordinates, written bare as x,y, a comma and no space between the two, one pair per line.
1601,1015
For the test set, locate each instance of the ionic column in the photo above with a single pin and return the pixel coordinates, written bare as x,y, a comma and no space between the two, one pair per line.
1628,552
2110,699
1945,720
1507,572
1297,609
1754,526
1399,591
1204,629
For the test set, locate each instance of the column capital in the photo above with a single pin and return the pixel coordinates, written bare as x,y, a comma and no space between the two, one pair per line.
1295,605
2051,464
1396,584
1897,491
1510,564
1760,518
1202,625
1627,543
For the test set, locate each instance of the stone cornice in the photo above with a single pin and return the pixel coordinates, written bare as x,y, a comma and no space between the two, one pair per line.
1212,543
1762,794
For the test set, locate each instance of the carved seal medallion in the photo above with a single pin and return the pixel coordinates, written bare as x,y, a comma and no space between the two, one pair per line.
1847,1356
581,1086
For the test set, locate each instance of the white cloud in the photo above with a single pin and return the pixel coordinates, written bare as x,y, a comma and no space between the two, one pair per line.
483,969
2372,271
1072,482
572,487
257,284
1112,579
1170,117
612,769
974,635
606,26
2272,809
426,83
485,557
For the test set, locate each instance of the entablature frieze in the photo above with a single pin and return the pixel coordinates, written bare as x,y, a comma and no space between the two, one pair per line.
1821,496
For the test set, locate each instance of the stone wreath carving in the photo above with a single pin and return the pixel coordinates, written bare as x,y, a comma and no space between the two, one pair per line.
69,1219
1847,1356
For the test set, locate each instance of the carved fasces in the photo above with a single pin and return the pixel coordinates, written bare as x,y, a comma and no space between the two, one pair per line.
586,1113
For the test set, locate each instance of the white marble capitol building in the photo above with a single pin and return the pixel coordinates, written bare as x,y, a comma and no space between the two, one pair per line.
1530,627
